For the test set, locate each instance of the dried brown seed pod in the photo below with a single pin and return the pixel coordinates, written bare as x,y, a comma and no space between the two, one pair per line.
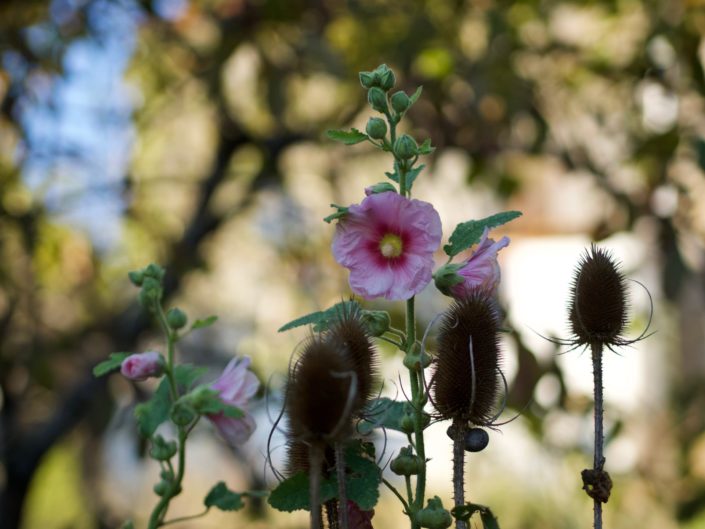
349,337
466,381
598,301
320,394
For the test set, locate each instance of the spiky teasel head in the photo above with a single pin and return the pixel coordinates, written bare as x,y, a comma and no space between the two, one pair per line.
350,337
466,381
598,304
320,394
297,458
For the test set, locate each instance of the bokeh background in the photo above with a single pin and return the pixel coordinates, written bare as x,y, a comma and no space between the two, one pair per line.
191,133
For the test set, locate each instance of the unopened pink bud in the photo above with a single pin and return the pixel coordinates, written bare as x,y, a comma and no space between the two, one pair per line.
142,366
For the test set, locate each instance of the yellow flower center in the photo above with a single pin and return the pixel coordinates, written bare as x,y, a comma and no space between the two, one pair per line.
390,246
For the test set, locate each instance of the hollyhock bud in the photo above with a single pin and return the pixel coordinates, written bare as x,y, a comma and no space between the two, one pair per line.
176,318
142,366
400,102
377,99
376,128
405,147
480,271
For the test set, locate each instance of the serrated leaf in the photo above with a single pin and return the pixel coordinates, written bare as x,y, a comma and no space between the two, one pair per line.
350,137
340,212
155,411
112,363
426,147
206,322
321,320
223,498
186,374
415,96
383,413
292,493
412,174
362,483
468,233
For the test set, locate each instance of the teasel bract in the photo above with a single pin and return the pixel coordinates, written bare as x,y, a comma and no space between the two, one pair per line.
467,380
328,387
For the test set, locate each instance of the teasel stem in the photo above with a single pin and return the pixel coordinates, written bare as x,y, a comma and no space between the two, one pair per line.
599,459
342,493
459,429
315,459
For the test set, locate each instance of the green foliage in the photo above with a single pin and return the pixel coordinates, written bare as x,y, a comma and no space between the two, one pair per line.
411,174
323,319
362,483
223,498
415,96
383,413
186,375
206,322
426,147
152,413
350,137
206,401
465,512
468,233
112,363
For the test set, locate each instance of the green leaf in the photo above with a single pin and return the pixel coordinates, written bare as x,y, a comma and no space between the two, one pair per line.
362,483
426,147
292,493
465,512
155,411
186,374
468,233
323,319
383,413
340,212
350,137
106,366
415,96
223,498
412,174
206,322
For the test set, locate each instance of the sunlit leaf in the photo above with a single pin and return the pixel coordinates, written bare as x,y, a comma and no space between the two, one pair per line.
321,320
112,363
468,233
348,137
206,322
223,498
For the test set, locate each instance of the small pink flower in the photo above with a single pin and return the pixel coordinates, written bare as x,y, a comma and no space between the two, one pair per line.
481,270
387,242
236,386
141,366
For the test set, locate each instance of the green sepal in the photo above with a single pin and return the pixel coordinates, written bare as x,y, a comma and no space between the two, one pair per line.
176,318
136,277
369,79
186,375
400,102
468,233
434,516
350,137
340,212
377,99
152,413
206,401
426,147
377,322
323,319
112,363
382,187
447,276
223,498
465,512
415,96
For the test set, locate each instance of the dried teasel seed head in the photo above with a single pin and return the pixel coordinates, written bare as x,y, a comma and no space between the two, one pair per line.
320,394
297,458
598,301
468,351
349,336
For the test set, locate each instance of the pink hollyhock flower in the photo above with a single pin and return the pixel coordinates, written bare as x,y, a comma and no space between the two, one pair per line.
141,366
236,386
387,243
481,270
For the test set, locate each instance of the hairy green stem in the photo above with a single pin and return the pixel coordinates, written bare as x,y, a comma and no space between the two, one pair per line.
598,459
342,493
